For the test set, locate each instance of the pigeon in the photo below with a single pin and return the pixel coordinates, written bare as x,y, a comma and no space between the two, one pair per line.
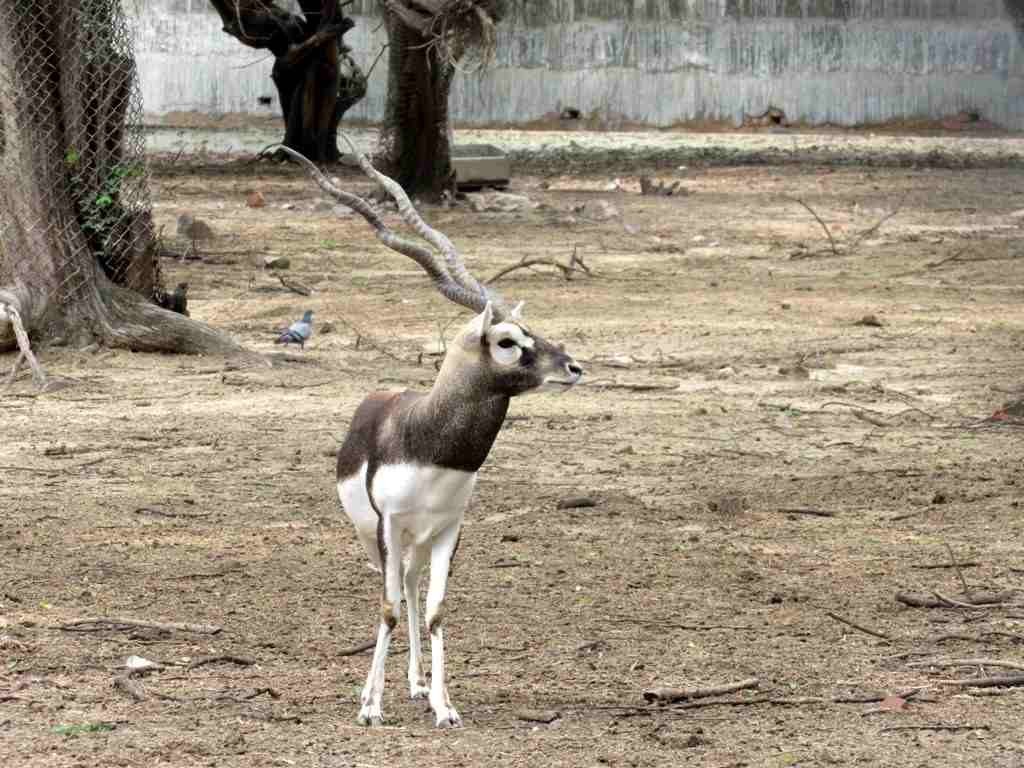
298,333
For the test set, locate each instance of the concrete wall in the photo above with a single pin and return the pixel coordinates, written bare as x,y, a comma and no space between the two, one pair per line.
658,62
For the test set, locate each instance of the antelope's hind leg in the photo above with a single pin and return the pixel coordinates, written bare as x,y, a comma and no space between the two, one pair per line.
371,712
418,556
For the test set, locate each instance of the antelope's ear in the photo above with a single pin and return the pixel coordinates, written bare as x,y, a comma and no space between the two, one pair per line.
478,326
517,312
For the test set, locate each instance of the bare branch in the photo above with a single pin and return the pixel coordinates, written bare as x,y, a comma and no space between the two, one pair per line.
824,226
686,694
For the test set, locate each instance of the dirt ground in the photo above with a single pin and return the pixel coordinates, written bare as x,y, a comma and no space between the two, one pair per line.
775,432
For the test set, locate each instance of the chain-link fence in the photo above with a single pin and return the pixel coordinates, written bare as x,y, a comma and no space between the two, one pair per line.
72,149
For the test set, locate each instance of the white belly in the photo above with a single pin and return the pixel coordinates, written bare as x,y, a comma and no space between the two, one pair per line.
419,500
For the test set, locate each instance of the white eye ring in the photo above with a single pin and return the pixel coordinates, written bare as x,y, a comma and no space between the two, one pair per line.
505,354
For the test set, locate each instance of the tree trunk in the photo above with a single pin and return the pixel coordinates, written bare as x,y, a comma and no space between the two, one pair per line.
415,146
426,39
71,218
317,80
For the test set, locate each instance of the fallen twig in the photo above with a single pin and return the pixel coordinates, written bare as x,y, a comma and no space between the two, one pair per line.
937,727
987,682
573,265
647,622
824,226
978,600
806,511
980,638
669,695
971,605
118,624
959,573
658,188
241,661
165,513
856,626
369,645
632,387
967,663
295,287
938,566
271,692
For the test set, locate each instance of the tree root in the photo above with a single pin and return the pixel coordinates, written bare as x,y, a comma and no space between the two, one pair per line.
10,315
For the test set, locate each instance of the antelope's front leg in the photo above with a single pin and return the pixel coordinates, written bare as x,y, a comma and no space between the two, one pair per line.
417,684
440,560
371,712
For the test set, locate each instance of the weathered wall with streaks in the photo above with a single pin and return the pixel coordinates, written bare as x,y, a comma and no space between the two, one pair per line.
657,62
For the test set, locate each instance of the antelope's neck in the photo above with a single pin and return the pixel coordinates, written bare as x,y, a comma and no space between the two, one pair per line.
455,426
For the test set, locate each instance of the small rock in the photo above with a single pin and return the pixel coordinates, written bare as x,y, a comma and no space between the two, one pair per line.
728,505
786,305
509,538
725,372
576,502
139,664
871,321
698,239
626,450
276,262
620,361
601,210
342,210
327,327
287,206
323,206
477,202
255,199
192,228
939,498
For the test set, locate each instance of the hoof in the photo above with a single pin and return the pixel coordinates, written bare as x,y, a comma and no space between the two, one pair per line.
449,719
418,692
369,718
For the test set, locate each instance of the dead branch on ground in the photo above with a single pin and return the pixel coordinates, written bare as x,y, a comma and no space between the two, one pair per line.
227,658
936,727
573,266
977,600
669,695
659,188
806,511
294,286
987,682
369,645
967,663
853,242
979,638
855,625
646,622
959,573
940,566
821,223
362,337
120,625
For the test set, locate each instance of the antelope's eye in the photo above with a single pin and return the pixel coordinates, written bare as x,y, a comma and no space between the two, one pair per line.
506,344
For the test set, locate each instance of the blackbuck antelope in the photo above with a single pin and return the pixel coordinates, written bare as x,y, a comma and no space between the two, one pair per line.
409,463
